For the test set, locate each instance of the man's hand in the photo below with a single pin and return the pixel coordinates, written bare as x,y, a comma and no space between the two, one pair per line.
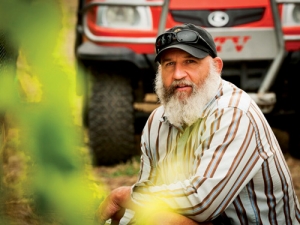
113,207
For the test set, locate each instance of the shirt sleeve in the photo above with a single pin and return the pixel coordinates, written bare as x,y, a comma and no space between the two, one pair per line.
229,159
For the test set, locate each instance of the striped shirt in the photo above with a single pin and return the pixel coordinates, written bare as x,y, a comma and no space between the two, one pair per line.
227,163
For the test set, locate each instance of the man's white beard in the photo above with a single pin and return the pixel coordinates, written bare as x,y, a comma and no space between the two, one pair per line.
186,110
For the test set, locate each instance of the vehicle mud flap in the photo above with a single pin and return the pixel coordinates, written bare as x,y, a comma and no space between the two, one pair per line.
111,118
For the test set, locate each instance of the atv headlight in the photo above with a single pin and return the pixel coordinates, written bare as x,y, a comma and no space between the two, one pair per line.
296,13
291,15
124,17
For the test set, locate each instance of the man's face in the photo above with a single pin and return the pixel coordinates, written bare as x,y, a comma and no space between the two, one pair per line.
185,84
182,73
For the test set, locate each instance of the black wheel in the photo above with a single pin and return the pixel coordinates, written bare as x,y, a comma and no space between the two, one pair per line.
294,142
111,118
288,96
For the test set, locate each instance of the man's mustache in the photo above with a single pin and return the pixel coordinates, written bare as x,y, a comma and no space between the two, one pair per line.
169,92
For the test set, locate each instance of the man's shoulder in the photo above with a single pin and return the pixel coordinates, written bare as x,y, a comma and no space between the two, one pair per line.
231,96
157,114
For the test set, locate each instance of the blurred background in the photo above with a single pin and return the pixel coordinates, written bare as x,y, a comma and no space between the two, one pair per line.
49,174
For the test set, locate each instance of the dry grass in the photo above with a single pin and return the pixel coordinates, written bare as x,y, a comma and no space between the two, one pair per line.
120,175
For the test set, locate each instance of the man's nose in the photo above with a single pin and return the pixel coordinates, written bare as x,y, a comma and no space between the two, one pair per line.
179,73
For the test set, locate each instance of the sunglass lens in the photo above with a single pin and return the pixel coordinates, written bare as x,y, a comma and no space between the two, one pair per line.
181,36
187,36
166,39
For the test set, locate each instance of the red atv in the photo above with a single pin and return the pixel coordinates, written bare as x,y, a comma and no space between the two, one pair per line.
258,40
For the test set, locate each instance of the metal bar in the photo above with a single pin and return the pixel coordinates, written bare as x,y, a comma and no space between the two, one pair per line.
287,1
271,74
163,17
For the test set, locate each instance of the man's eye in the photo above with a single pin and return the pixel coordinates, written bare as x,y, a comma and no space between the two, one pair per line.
189,61
169,63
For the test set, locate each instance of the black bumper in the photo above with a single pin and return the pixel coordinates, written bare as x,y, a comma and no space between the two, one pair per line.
89,51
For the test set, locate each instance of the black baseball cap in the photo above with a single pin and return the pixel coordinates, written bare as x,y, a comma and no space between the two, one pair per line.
190,38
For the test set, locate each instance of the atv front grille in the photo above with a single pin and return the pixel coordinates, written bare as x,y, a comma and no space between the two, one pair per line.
236,16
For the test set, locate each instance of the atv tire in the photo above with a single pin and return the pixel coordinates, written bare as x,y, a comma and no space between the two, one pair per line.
111,118
293,130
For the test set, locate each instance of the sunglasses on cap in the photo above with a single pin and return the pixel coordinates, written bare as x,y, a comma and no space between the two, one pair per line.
184,36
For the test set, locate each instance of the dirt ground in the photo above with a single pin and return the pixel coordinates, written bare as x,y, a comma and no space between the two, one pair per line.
294,166
104,173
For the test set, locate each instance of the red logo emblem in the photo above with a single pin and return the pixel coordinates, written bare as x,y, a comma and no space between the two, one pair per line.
238,41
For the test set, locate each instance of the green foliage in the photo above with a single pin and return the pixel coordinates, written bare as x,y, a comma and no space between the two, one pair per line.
130,168
59,168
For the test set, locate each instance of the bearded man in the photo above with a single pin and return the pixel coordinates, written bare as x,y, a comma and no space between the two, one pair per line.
208,154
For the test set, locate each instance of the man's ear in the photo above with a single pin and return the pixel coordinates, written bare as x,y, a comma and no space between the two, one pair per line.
218,64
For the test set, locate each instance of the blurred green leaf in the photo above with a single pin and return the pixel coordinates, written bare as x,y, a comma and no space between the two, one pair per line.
48,134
